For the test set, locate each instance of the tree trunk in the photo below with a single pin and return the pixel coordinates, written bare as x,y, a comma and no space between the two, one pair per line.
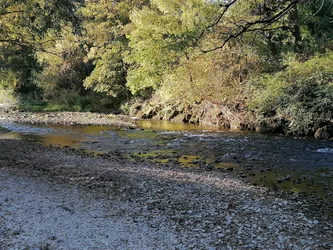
294,18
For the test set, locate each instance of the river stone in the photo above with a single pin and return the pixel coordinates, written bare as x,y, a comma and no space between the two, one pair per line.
324,133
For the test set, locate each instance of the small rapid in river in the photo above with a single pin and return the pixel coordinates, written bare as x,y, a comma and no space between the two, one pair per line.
302,166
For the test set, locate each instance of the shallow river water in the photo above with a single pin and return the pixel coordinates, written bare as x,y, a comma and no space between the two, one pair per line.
281,163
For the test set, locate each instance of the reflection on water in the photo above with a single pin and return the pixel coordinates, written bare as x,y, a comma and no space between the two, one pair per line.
21,128
171,126
60,140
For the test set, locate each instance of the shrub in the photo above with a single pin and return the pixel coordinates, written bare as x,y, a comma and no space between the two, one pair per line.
301,94
8,82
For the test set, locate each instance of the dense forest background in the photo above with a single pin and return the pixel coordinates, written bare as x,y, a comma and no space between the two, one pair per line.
267,62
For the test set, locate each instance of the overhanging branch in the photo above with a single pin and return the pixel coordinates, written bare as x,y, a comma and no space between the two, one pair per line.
26,45
245,26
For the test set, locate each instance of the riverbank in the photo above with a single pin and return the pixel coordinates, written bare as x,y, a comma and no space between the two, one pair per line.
237,117
66,118
208,115
54,198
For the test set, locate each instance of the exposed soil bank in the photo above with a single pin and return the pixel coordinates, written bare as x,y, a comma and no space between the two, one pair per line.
66,200
65,118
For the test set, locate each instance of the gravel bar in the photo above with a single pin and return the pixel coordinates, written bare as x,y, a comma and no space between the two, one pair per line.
53,198
66,118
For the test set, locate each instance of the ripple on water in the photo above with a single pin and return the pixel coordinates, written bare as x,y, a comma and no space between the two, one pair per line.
325,150
215,137
20,128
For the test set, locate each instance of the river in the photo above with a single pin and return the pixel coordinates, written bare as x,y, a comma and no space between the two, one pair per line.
293,165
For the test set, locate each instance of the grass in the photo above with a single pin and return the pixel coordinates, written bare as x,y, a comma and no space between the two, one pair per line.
76,104
40,106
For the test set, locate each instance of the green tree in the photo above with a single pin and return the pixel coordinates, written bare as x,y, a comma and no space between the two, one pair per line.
163,36
105,23
23,25
63,66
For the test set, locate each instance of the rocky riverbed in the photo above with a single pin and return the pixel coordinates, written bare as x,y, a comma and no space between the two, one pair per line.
54,198
57,198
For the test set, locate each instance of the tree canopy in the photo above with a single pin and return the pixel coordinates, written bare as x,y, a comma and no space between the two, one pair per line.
222,51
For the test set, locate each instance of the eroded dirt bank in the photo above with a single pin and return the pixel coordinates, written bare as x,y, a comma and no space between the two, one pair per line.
66,200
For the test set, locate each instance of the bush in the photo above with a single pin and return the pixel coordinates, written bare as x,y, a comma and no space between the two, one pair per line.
301,94
8,82
217,77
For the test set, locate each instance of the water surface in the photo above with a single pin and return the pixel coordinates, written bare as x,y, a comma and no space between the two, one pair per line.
279,162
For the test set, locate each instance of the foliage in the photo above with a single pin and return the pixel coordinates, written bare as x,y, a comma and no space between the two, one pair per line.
70,101
217,77
272,57
301,94
64,68
105,26
23,25
8,79
163,36
316,21
8,82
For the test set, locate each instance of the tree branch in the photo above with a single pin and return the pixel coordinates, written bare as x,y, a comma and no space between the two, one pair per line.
219,18
21,44
246,27
3,13
226,7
